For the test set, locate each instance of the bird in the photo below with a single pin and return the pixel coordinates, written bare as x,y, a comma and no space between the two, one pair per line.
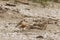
22,25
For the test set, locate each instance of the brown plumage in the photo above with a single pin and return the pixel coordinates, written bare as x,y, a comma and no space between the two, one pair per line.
22,24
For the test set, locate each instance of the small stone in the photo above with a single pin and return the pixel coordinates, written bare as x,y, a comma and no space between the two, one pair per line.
7,4
6,26
39,37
